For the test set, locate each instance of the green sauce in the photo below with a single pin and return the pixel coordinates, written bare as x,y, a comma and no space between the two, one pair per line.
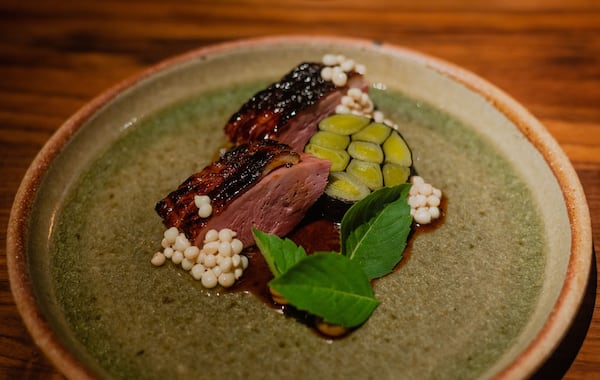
453,308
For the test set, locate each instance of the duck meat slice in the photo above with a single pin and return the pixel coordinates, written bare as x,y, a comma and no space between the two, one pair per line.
289,110
262,184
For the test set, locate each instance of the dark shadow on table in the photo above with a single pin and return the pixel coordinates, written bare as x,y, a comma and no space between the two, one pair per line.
559,362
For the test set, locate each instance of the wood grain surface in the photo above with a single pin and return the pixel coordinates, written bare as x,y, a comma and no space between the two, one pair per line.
57,55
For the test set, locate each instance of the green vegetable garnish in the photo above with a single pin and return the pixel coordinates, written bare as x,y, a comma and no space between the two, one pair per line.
334,286
374,231
365,155
330,286
280,254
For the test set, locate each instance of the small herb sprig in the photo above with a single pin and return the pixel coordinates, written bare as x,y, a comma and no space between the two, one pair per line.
334,286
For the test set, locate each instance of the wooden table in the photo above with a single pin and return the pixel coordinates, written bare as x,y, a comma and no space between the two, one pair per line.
56,55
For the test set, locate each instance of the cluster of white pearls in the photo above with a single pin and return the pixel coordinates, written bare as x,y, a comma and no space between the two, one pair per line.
358,102
424,201
203,204
379,117
355,101
218,261
337,67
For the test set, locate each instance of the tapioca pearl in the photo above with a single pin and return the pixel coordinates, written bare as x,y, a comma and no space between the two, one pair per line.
197,271
171,234
211,235
226,279
158,259
191,252
209,280
422,215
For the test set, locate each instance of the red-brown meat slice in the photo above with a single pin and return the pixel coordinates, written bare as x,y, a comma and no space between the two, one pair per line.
262,184
277,203
289,110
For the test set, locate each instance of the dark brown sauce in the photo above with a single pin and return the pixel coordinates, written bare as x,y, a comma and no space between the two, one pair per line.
422,230
314,234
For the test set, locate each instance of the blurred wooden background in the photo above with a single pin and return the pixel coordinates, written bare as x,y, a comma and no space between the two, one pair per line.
57,55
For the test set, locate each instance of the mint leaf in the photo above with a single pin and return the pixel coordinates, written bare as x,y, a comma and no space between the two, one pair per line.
374,230
280,254
330,286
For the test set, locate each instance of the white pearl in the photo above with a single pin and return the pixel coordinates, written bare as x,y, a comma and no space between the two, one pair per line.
347,101
211,235
197,271
191,252
433,201
211,247
426,189
210,261
415,180
226,235
416,201
226,280
237,273
209,280
199,200
171,234
181,243
354,93
177,257
225,249
361,69
342,109
226,264
434,212
237,246
168,252
339,79
158,259
364,98
326,73
422,216
236,260
186,264
347,65
205,210
329,59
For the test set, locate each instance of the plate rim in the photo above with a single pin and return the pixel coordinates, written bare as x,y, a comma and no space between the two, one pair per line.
527,361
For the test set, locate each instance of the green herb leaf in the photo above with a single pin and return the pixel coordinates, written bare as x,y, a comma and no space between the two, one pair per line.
280,254
374,230
330,286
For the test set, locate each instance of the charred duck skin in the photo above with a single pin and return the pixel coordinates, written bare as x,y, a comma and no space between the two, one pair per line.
288,111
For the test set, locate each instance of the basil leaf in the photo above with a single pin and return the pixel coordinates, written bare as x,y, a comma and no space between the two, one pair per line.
280,254
330,286
374,230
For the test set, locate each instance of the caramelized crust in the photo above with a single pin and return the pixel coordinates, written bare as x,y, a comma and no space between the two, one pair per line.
267,113
224,180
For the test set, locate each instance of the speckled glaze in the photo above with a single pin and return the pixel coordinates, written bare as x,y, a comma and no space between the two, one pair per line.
461,94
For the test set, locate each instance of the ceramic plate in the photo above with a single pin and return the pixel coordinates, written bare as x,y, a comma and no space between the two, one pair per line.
487,293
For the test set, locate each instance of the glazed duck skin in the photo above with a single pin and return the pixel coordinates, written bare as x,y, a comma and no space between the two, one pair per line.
262,184
288,111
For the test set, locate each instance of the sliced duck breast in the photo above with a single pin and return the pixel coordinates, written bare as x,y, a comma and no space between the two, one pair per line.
263,184
288,111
